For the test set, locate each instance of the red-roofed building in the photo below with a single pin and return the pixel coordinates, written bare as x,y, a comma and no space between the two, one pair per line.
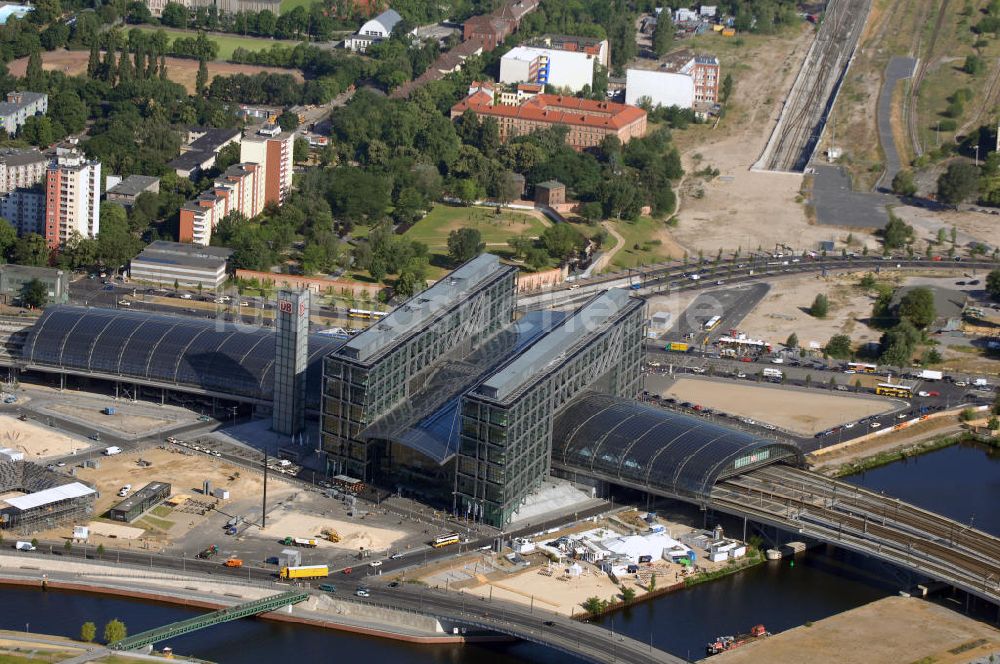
589,121
493,28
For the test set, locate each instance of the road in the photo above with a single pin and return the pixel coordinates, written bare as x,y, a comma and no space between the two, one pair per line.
898,68
732,305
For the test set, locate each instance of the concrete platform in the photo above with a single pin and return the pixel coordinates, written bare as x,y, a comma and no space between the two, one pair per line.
889,631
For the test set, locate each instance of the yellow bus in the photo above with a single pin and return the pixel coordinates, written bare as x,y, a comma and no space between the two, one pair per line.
445,540
861,367
894,390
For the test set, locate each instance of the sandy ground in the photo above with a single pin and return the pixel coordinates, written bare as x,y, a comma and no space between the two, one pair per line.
186,474
119,531
971,226
891,630
781,312
743,208
36,441
353,534
807,414
179,70
559,593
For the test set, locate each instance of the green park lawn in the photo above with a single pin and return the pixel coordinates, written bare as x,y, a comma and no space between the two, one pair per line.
227,43
289,5
641,245
495,229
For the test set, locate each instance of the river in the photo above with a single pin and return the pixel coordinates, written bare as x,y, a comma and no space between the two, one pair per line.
962,482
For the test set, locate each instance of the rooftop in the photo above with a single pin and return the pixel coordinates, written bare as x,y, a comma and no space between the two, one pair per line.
191,160
31,271
24,98
21,157
49,496
163,252
134,185
419,310
137,498
586,322
556,109
213,138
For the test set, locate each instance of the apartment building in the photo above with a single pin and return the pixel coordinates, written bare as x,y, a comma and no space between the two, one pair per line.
200,149
564,70
19,107
21,168
588,121
276,153
240,189
72,197
25,209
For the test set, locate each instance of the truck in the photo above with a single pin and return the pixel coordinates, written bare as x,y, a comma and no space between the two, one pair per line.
113,450
209,552
773,374
233,562
24,546
980,382
305,572
678,347
927,374
299,541
109,411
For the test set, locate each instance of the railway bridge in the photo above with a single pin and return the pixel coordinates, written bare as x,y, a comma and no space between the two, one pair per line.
680,456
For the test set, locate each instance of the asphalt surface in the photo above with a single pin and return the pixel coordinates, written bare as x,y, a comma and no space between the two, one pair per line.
732,304
837,204
898,68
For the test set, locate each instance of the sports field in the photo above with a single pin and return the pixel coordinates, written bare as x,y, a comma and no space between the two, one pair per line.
227,43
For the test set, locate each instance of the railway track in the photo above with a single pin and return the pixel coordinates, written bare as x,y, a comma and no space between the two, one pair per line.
807,106
918,78
932,544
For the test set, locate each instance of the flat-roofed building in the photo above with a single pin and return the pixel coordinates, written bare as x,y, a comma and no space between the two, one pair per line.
240,189
72,197
506,420
275,153
564,70
378,369
14,277
142,500
25,209
21,168
167,263
589,121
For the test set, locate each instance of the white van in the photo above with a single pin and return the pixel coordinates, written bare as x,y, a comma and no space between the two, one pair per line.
24,546
113,450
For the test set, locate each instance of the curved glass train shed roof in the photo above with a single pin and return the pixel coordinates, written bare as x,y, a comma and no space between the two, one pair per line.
628,442
204,355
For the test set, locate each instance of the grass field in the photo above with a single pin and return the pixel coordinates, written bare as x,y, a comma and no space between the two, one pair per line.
495,229
643,243
289,5
227,43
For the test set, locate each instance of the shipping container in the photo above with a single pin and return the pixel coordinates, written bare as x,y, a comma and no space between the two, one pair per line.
305,572
678,347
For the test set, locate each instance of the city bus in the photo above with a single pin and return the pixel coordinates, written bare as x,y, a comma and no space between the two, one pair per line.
445,540
894,390
712,323
861,367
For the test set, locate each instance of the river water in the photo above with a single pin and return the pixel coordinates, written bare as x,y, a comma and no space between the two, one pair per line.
962,482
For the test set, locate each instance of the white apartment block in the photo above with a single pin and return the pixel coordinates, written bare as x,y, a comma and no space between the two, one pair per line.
276,154
21,168
19,107
72,197
25,210
240,189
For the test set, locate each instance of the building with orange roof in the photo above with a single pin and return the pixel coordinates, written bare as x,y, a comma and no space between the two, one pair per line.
589,121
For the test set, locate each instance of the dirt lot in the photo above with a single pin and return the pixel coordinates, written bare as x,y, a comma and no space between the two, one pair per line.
179,70
800,411
891,630
36,441
739,200
186,474
783,311
353,534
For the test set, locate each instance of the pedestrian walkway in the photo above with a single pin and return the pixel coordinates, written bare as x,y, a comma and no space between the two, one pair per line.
898,68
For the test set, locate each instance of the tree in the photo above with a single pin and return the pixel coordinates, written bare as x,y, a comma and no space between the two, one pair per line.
820,306
903,184
288,121
115,630
917,306
839,346
663,35
34,294
652,582
993,284
68,545
32,249
300,150
628,594
974,65
931,356
174,15
201,80
100,547
993,423
896,232
88,630
561,241
8,237
958,183
727,88
94,61
34,77
792,341
465,244
593,604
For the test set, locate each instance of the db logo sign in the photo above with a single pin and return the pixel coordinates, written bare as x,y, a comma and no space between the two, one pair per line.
285,307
